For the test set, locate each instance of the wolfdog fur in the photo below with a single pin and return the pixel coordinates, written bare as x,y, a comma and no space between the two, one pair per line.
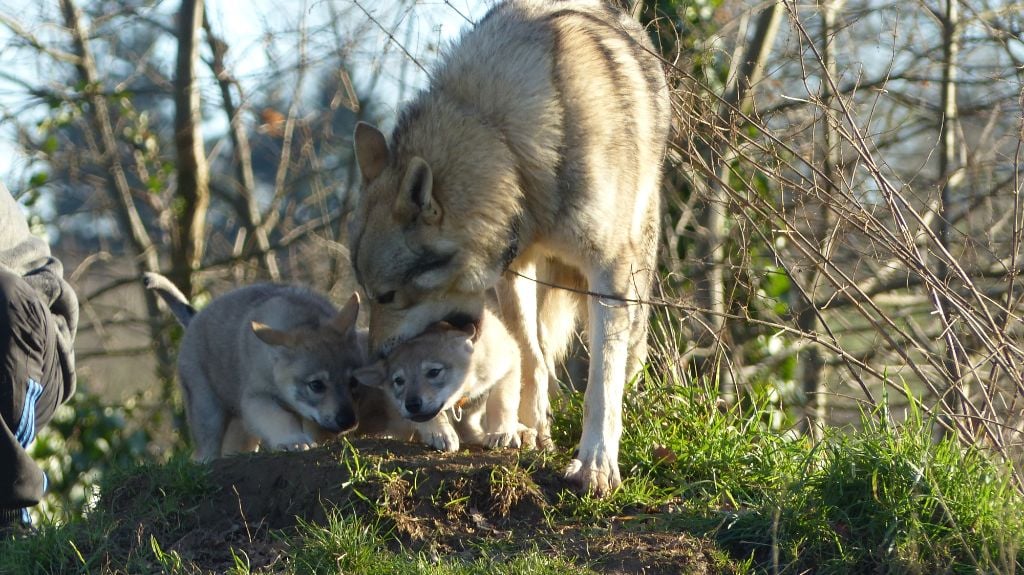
533,159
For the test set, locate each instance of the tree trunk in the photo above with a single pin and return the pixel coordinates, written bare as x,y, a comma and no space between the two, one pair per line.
193,193
811,362
958,389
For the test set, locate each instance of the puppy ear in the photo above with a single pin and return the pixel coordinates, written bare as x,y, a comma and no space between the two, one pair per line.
372,375
371,150
272,336
345,320
415,194
462,337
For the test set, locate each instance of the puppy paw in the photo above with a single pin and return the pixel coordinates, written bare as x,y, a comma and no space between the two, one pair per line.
442,439
530,438
503,439
299,446
296,443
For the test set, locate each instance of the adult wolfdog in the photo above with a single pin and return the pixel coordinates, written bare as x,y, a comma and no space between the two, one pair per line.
534,154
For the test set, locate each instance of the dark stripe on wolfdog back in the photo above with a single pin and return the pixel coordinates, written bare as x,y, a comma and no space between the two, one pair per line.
623,92
611,24
556,83
591,29
641,49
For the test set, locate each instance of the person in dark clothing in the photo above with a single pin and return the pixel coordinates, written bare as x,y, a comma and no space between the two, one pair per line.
38,321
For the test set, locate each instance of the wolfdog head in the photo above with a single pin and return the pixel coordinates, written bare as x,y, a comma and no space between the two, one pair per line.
426,245
427,374
312,367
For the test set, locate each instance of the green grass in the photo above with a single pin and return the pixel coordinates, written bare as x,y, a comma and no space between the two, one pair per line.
85,544
883,498
347,545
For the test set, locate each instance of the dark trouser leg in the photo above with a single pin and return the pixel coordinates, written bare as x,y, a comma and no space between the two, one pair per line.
30,388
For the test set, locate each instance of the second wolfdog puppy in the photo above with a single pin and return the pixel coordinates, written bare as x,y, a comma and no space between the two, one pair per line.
246,383
456,386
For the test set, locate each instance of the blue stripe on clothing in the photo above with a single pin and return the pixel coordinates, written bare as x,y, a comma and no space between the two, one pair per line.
26,431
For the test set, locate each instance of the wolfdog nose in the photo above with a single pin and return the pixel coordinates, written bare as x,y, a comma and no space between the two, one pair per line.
413,405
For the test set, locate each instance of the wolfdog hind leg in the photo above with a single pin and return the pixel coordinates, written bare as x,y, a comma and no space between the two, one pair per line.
517,295
641,281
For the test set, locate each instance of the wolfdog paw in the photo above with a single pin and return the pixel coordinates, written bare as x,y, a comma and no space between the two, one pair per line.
600,476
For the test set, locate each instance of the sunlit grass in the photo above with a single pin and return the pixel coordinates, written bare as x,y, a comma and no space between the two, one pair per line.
882,498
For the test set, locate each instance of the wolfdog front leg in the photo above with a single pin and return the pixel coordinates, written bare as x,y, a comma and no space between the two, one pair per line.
596,461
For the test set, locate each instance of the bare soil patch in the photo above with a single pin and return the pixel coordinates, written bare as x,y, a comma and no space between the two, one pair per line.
442,504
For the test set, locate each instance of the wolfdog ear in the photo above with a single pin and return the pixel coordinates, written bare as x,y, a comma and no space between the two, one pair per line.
415,195
372,375
371,150
272,336
345,320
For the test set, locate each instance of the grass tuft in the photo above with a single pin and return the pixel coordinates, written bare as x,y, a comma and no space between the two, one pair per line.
347,544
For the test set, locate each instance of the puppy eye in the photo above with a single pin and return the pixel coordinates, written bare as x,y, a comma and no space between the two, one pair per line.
386,298
399,381
317,386
433,372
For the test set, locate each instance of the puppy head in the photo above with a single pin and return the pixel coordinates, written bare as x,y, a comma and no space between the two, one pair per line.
312,367
425,375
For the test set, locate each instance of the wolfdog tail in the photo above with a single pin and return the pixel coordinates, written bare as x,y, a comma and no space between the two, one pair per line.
176,301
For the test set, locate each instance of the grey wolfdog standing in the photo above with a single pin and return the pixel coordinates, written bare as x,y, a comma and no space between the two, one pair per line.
534,154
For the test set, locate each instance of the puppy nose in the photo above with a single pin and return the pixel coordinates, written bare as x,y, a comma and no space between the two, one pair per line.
346,420
413,405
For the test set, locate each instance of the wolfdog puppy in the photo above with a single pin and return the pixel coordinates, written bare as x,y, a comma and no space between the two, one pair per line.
457,386
266,365
532,159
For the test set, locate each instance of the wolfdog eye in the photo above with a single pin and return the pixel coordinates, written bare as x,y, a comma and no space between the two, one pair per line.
399,381
433,372
317,386
386,297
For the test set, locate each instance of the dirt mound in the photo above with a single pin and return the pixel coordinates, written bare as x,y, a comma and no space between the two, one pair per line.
445,504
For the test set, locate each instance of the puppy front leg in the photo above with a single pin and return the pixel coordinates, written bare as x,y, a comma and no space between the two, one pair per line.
501,422
439,433
276,427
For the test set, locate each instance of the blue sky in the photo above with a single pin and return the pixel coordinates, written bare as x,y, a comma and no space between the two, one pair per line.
258,28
